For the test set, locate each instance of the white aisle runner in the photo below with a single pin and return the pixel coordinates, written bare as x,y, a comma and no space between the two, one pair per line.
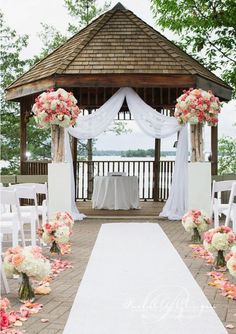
136,283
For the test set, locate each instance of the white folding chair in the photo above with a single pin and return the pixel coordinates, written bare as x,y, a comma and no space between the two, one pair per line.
3,275
230,212
29,215
11,222
217,208
40,188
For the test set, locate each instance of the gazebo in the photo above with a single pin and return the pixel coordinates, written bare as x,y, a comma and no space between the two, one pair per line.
116,50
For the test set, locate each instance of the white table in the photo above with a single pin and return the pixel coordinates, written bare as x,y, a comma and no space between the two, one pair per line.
115,193
136,283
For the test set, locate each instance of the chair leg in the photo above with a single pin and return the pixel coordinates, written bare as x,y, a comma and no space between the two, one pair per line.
216,219
33,232
4,279
15,240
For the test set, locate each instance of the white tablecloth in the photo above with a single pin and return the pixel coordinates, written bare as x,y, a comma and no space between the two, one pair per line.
136,283
115,193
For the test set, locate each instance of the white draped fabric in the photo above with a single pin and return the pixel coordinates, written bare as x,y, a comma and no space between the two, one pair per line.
153,124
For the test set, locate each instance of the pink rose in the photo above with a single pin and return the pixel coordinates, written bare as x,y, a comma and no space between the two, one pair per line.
4,321
4,303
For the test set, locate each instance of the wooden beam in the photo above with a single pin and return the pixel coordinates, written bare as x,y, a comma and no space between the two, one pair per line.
15,93
124,80
224,93
214,150
23,134
156,172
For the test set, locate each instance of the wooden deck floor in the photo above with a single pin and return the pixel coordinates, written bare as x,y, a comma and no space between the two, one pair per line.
148,209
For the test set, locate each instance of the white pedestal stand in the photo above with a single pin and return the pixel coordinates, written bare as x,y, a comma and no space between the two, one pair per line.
199,186
59,187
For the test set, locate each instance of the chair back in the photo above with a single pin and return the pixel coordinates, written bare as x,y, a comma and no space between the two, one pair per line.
8,197
40,188
25,192
218,187
231,203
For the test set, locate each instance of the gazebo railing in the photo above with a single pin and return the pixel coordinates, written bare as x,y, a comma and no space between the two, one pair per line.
87,170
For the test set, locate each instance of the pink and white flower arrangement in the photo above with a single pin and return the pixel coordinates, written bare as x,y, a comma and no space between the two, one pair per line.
28,260
57,232
55,107
196,222
197,106
231,261
221,238
64,218
196,219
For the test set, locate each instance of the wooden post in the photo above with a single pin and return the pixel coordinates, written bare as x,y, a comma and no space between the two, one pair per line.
197,143
58,146
156,171
90,165
214,150
74,157
23,135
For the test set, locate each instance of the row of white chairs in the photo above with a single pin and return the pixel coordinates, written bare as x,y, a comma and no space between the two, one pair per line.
14,216
228,209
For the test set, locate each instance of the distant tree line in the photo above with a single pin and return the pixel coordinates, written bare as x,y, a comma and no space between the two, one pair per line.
132,153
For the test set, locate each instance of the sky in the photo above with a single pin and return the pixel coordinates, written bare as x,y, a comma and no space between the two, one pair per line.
26,15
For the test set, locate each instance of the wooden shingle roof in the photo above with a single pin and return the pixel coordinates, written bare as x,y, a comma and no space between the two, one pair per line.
117,42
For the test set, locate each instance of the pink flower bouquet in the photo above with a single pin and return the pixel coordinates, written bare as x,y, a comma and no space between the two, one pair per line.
55,107
218,240
57,232
231,261
29,262
197,106
196,222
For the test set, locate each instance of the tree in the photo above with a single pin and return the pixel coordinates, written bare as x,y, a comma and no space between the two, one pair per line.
227,155
204,29
12,66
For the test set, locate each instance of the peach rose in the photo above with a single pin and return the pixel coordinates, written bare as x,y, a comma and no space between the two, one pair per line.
17,259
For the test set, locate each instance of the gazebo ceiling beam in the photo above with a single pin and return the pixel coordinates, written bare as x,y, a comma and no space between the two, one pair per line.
118,80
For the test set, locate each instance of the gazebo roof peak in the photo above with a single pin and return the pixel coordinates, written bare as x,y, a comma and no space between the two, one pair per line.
120,44
119,6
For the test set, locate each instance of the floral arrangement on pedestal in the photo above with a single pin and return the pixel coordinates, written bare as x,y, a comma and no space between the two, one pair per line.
57,109
197,107
196,222
57,232
217,241
231,261
29,262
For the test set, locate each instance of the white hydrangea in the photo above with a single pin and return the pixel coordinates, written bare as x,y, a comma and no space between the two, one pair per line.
62,234
220,241
46,238
231,265
208,247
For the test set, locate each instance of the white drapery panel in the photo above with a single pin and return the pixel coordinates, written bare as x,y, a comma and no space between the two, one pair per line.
153,124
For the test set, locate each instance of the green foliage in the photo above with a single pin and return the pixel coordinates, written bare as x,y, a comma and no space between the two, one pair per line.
206,29
227,155
83,11
12,66
138,153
